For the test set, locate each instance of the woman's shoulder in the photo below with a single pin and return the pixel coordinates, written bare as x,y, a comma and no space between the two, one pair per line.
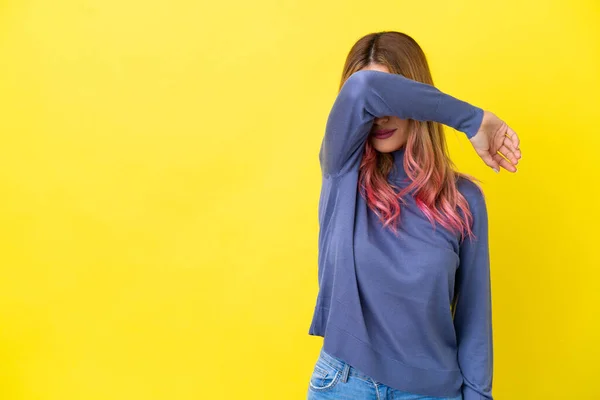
471,190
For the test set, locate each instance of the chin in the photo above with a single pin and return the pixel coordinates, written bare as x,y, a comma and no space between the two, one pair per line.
386,147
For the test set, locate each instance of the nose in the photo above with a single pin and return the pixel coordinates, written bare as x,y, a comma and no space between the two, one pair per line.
381,120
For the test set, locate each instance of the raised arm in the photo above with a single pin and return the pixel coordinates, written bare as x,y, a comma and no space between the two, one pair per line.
369,94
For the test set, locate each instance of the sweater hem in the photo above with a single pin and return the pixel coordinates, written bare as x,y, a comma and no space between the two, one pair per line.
390,372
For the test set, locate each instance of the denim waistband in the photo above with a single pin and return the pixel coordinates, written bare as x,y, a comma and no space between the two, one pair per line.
343,367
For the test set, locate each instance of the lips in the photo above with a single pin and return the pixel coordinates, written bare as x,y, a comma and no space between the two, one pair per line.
384,134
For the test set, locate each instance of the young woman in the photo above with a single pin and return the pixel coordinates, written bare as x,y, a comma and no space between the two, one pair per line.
404,303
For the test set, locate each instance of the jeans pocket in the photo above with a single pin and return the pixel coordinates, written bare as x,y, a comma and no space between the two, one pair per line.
324,376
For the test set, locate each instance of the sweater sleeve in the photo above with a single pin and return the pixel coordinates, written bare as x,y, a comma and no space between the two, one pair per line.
368,94
473,309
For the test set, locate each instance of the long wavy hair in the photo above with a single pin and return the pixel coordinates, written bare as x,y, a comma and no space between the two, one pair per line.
433,175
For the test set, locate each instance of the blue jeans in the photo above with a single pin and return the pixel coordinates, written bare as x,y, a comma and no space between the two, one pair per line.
332,378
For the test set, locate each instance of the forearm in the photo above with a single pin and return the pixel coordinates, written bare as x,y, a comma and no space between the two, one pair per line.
393,94
368,94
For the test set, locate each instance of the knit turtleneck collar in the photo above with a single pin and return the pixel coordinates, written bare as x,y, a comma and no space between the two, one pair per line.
398,173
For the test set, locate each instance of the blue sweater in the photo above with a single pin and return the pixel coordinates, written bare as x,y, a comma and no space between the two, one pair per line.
413,311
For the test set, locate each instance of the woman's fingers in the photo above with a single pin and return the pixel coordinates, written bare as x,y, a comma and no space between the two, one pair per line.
507,165
487,158
510,145
513,137
506,152
497,144
511,141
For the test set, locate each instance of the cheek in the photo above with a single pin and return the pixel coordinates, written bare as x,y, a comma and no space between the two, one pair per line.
402,132
403,125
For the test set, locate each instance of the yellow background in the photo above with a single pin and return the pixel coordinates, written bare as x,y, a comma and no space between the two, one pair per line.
159,184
